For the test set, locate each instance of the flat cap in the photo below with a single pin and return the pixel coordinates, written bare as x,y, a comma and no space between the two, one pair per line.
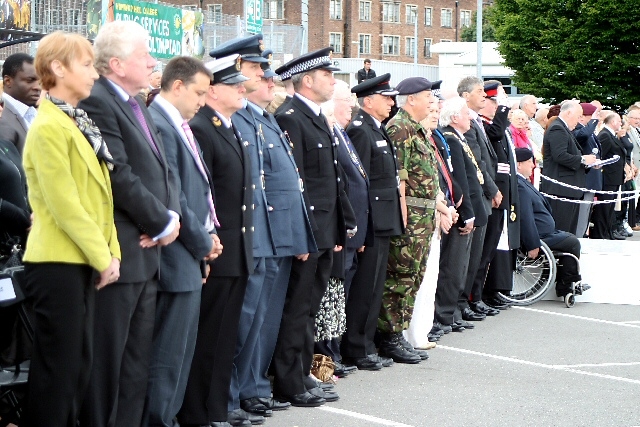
317,60
412,85
523,154
249,48
226,70
588,109
375,85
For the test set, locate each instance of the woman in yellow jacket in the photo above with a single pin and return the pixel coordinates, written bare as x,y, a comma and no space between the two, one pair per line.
72,249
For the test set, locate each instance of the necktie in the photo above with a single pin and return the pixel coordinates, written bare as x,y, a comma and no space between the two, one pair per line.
445,169
481,126
352,155
137,111
196,155
30,115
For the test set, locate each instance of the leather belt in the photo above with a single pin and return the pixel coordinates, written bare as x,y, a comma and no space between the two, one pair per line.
420,203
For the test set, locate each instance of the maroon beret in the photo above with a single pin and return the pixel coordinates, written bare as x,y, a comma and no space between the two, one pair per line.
588,109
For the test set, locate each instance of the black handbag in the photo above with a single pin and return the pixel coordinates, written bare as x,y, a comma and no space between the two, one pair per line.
13,258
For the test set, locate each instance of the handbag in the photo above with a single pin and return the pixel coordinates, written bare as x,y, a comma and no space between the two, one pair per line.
13,259
322,368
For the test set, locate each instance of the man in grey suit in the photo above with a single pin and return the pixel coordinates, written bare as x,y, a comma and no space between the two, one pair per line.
185,83
21,94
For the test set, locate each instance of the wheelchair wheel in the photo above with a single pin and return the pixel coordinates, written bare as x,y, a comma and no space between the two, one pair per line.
532,278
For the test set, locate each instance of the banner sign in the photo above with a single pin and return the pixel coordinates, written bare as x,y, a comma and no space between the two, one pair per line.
15,14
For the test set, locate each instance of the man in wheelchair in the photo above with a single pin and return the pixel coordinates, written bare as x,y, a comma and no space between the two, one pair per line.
536,223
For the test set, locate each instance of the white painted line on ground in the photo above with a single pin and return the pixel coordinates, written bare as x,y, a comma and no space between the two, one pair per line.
573,316
598,365
364,417
540,365
632,321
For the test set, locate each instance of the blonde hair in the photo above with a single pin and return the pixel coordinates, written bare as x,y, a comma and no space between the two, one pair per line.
116,39
60,46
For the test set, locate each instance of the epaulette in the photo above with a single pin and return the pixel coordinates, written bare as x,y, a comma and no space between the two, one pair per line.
290,111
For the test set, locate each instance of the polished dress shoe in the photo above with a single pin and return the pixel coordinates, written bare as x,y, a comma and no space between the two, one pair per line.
482,308
305,400
455,327
470,315
240,417
329,396
618,236
254,406
342,371
411,349
465,324
436,332
390,346
363,363
496,303
214,424
273,404
386,362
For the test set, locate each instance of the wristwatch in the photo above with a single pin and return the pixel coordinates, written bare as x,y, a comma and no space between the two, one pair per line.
583,161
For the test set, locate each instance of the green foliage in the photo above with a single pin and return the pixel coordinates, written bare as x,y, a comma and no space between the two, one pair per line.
563,49
488,32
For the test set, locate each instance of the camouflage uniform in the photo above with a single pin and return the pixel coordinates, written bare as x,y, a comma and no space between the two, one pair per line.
408,252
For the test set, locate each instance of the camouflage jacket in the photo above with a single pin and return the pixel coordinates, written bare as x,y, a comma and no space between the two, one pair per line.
417,162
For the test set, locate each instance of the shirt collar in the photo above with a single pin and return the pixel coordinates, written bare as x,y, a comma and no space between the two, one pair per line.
473,115
226,122
171,110
376,121
312,105
120,91
610,130
20,108
255,108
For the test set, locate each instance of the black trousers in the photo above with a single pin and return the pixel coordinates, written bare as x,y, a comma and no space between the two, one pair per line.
565,214
602,216
567,266
292,358
364,299
207,391
453,263
475,257
500,273
63,303
489,249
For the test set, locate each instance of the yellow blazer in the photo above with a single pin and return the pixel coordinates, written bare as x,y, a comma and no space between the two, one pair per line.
70,194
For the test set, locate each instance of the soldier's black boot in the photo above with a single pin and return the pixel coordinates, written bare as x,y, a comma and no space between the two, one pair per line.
391,346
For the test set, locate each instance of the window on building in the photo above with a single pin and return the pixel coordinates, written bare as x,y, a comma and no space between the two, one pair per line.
411,14
335,41
391,45
428,16
335,9
214,13
214,41
365,10
409,46
52,17
276,42
446,16
190,6
365,43
465,18
445,40
427,48
273,9
391,12
73,17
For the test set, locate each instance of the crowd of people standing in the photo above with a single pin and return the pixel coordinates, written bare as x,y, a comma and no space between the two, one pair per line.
188,262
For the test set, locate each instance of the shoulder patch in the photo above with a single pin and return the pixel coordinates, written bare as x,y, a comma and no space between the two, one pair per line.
357,123
290,111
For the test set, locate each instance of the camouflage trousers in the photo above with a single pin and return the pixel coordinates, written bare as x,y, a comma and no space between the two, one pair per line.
405,269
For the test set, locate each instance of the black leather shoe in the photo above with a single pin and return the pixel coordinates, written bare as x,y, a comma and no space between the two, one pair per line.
305,400
342,371
273,404
423,355
254,406
386,362
239,417
329,396
618,236
391,347
214,424
465,324
482,308
455,327
363,363
496,303
468,314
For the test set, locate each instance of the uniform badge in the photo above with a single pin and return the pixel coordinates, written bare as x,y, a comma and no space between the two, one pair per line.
216,121
357,123
512,217
270,58
382,143
238,61
260,45
290,111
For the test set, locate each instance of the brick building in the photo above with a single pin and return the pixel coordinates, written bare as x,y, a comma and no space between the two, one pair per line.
376,29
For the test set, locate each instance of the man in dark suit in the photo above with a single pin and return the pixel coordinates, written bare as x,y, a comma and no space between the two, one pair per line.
313,148
292,237
366,72
229,164
537,223
613,177
146,203
21,93
564,162
377,154
185,82
454,256
472,89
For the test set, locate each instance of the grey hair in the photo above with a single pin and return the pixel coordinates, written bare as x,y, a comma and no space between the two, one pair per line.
341,88
569,105
361,101
541,114
519,112
468,83
296,79
527,99
451,107
328,108
401,100
116,40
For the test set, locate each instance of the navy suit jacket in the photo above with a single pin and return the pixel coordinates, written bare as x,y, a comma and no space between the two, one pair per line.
562,161
588,142
613,174
244,121
182,260
290,226
536,221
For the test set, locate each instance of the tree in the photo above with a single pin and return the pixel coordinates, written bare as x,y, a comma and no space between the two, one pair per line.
488,32
563,49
